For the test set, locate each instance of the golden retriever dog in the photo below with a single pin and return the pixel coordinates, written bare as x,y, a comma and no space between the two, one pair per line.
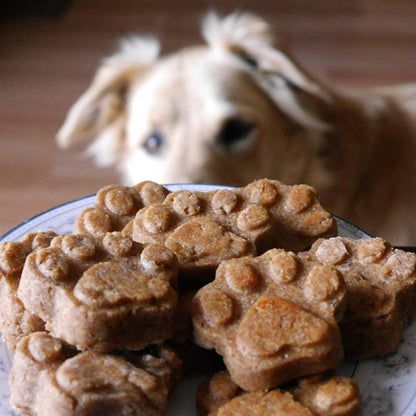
238,109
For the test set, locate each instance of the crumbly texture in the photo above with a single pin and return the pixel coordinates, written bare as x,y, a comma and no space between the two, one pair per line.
272,318
203,229
48,377
319,395
104,293
116,206
15,320
381,286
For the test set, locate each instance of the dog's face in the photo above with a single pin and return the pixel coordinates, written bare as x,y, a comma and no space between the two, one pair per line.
198,118
230,112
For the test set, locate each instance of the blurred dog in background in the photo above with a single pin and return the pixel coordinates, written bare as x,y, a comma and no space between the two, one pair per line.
240,109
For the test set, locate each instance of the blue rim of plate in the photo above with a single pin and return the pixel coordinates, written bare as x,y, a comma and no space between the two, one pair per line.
41,214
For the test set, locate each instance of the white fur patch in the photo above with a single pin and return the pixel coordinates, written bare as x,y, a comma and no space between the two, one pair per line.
235,28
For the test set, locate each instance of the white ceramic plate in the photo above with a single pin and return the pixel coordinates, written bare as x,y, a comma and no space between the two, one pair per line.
388,385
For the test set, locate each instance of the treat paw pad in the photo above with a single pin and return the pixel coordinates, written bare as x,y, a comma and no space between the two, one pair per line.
273,324
272,317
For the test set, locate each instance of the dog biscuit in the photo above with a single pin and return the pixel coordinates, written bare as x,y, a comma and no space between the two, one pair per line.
49,377
104,293
116,205
203,229
319,395
381,286
15,320
273,318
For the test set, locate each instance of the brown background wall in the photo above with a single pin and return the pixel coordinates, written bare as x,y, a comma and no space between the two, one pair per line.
47,62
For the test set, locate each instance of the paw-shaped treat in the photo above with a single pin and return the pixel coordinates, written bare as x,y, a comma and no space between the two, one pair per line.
50,378
272,318
320,395
203,229
381,286
214,392
104,293
15,320
116,206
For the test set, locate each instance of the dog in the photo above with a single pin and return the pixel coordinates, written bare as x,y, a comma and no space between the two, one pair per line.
241,108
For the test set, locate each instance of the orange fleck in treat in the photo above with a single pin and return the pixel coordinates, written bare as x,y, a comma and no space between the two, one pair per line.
49,377
102,293
275,326
381,286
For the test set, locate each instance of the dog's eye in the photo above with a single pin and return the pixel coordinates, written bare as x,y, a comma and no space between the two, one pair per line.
153,143
233,131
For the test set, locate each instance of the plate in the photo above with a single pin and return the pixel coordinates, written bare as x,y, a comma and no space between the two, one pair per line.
388,384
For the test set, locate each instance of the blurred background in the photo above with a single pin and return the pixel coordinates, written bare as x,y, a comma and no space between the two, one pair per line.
50,49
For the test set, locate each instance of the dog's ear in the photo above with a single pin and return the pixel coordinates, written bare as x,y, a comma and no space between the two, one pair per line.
102,105
252,41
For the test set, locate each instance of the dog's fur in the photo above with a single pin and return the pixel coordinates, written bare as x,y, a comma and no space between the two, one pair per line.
240,109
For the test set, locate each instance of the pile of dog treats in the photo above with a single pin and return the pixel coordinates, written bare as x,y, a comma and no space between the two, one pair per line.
105,320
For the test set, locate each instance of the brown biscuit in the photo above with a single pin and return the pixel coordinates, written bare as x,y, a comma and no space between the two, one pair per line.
381,285
215,392
329,395
15,320
320,395
50,378
102,294
272,318
116,206
203,229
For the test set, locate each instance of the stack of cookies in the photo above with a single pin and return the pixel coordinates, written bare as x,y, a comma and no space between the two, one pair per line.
100,319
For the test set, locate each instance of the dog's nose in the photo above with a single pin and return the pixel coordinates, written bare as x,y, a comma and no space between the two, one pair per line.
233,132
